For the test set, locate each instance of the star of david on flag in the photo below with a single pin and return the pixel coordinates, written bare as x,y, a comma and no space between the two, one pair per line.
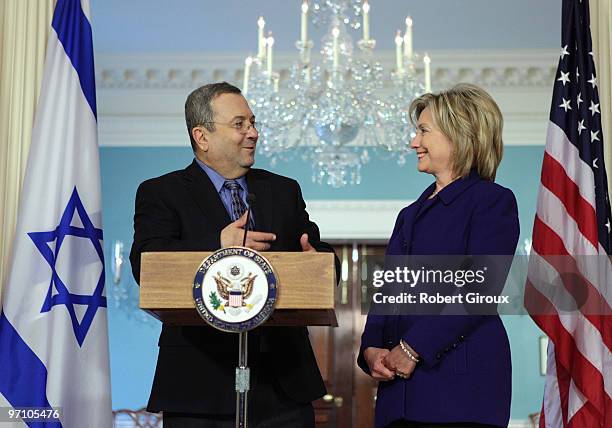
53,317
59,292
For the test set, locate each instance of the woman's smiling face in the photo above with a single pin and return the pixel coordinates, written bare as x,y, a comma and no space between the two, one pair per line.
433,149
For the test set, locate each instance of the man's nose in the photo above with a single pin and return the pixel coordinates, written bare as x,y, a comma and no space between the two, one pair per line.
252,132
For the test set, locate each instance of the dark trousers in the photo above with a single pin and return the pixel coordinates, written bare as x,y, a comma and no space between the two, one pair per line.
302,417
268,407
409,424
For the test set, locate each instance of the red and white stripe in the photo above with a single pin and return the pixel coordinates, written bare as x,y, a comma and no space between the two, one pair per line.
235,299
565,236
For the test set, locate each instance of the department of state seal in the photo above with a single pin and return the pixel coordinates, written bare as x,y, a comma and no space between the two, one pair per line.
235,289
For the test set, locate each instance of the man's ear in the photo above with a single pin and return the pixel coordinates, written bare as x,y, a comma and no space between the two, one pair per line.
200,136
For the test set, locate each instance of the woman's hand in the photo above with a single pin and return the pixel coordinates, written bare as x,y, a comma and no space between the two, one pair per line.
397,361
374,357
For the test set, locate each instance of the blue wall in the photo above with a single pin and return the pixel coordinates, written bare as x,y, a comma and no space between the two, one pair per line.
202,26
134,343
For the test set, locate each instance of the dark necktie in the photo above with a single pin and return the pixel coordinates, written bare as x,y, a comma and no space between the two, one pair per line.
238,205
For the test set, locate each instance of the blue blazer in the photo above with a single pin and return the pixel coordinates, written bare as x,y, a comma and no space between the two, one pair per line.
465,369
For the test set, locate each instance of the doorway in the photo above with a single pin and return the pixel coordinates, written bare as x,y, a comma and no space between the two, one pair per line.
351,393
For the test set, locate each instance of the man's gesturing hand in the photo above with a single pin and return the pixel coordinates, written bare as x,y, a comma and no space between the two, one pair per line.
233,234
305,244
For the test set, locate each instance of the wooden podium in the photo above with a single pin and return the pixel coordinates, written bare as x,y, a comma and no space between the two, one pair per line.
306,286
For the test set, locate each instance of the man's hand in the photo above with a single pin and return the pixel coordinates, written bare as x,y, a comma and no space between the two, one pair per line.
233,234
398,362
305,244
374,357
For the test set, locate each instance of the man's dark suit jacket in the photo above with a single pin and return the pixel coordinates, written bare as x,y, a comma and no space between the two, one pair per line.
182,211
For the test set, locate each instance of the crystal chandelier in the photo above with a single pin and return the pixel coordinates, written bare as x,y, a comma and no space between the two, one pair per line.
332,112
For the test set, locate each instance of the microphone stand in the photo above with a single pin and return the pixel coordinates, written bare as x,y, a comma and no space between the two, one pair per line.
242,381
242,371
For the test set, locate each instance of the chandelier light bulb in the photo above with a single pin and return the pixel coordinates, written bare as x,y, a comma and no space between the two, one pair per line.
408,39
261,40
304,23
398,38
366,21
247,69
427,62
269,44
335,34
399,60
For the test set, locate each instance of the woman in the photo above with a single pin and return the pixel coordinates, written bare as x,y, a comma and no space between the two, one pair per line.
448,371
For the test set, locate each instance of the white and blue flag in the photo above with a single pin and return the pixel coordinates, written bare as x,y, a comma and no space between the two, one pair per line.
53,319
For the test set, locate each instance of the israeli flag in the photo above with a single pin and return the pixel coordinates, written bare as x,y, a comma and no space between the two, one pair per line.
53,320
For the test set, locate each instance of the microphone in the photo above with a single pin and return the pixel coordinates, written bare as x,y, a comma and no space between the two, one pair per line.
250,201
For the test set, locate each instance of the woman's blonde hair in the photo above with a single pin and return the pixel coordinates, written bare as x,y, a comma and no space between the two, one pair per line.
472,121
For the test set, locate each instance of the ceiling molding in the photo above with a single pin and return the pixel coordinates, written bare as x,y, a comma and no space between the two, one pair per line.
511,68
141,97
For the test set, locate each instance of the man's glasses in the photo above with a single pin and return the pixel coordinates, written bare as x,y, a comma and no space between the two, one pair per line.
242,126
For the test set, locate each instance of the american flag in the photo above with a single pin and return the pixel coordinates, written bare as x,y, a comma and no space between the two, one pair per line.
573,221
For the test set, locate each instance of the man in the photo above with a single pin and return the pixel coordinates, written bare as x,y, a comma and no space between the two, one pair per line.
201,208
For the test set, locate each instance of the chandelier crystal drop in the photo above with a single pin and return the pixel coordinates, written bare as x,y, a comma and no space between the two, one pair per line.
333,112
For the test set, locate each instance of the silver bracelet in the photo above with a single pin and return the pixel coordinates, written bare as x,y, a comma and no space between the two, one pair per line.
404,347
